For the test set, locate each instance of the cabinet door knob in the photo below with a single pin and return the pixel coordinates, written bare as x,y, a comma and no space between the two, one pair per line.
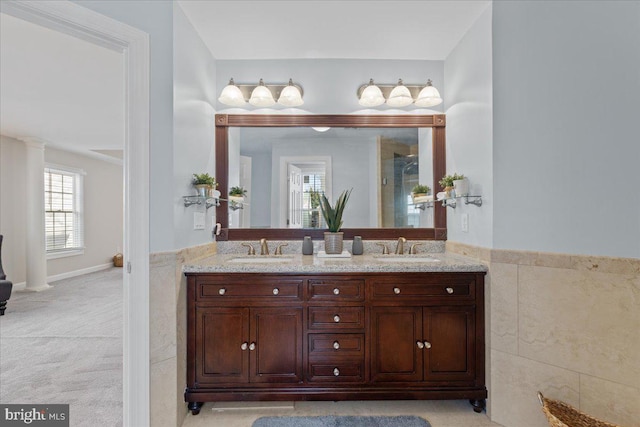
276,291
427,344
336,291
449,290
222,291
244,346
396,290
252,346
336,345
420,344
336,318
336,371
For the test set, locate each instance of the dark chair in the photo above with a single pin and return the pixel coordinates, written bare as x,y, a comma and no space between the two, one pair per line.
5,285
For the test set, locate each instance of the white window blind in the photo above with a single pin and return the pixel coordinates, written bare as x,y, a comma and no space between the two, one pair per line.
63,203
313,182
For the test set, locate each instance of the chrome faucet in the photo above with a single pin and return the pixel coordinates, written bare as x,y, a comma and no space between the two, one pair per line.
264,248
400,245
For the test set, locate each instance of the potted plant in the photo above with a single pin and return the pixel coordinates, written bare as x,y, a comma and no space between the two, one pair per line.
333,217
420,190
204,183
237,194
447,183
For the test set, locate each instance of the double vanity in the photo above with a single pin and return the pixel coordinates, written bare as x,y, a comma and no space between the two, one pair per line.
296,327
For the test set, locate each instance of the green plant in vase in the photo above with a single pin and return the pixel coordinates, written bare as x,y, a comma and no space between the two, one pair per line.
204,183
332,215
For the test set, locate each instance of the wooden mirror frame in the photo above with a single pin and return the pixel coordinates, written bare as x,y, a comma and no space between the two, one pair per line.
225,121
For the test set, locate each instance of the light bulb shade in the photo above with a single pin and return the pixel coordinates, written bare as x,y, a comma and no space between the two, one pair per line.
429,96
371,96
232,95
400,96
290,96
261,96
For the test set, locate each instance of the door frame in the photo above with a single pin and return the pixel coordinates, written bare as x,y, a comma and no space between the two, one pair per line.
85,24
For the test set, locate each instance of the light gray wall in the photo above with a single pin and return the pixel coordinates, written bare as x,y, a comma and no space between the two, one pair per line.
566,152
194,95
468,83
156,19
330,85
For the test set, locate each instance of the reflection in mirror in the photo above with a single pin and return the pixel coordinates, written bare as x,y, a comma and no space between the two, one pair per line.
284,170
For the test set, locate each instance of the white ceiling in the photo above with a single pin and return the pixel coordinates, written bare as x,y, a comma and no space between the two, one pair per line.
60,89
257,29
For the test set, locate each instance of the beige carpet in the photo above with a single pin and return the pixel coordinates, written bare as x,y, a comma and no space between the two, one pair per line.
64,345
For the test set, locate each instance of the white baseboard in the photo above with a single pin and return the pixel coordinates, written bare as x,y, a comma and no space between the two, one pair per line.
79,272
23,285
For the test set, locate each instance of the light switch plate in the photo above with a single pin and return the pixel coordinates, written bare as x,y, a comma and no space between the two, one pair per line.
198,220
464,222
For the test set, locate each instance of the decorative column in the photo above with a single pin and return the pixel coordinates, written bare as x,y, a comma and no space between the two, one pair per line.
36,247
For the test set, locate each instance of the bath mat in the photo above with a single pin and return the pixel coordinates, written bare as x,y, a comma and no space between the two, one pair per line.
342,421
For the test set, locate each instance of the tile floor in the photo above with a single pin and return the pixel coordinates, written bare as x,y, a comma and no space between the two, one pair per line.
440,413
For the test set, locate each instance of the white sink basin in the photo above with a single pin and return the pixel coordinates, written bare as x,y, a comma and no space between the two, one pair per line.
260,260
406,258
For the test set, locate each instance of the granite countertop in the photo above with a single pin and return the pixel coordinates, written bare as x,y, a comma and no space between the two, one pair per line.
372,263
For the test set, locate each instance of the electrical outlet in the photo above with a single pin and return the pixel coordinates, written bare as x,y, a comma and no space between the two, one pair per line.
464,222
198,220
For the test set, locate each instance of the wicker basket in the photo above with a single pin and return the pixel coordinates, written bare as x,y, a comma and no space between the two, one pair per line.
560,414
118,260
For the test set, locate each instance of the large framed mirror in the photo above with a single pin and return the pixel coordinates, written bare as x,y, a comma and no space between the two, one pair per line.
285,161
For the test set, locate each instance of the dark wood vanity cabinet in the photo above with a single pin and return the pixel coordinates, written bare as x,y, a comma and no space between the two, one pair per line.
353,336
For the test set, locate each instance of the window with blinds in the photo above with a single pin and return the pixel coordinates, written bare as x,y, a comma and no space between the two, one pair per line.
313,185
64,228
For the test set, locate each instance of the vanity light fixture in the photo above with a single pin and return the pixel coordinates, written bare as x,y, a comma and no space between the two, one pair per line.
399,95
370,95
429,96
261,94
232,95
290,96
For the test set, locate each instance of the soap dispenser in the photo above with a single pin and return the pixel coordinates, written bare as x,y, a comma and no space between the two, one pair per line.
307,246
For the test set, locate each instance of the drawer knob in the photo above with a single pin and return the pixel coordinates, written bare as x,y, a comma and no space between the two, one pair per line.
336,291
276,291
336,372
336,318
427,344
244,346
396,291
222,291
449,290
420,345
336,345
252,346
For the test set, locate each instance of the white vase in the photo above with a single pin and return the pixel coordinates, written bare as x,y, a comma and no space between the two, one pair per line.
461,186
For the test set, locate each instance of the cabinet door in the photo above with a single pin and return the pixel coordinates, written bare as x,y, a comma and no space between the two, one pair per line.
449,343
395,355
220,334
276,334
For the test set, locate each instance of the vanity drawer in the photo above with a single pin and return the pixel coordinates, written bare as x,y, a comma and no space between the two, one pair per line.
323,345
389,291
340,371
277,290
336,290
336,317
